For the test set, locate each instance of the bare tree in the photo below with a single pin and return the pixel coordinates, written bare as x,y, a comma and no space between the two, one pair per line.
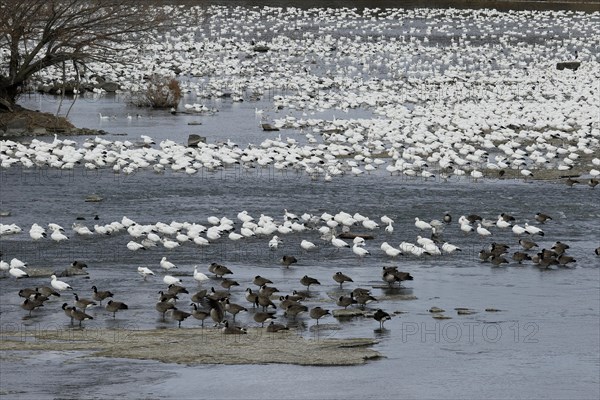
37,34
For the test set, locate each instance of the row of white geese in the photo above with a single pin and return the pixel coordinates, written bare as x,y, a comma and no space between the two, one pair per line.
175,234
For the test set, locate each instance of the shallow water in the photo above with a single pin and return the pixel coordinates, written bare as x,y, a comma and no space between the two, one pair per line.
543,343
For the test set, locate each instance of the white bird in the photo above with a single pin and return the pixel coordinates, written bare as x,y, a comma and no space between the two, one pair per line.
199,276
482,231
450,248
171,280
17,273
501,223
518,230
274,242
533,230
466,228
167,265
57,236
201,241
134,246
432,249
306,245
16,263
387,220
389,228
389,250
370,224
170,244
338,243
59,285
359,251
421,224
145,272
235,236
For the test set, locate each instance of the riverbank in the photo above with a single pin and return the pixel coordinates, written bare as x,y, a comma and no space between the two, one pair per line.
25,122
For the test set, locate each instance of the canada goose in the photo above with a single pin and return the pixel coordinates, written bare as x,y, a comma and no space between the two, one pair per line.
251,297
217,294
294,309
361,292
485,255
559,248
285,301
31,304
508,218
114,306
391,275
362,299
381,316
307,281
297,296
498,260
542,218
345,301
474,217
273,327
228,283
47,291
260,281
267,290
175,289
217,311
232,330
597,251
571,182
198,296
593,182
233,308
67,309
519,256
265,302
341,278
564,259
83,303
180,315
78,265
100,295
219,270
262,317
499,248
79,315
200,315
447,218
527,244
27,292
170,297
164,306
288,260
318,313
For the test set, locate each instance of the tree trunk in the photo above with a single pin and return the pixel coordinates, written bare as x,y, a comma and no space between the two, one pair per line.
8,96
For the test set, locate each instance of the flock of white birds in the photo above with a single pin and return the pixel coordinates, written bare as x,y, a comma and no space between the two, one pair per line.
451,92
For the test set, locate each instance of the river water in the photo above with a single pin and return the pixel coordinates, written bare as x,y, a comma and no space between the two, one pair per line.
543,343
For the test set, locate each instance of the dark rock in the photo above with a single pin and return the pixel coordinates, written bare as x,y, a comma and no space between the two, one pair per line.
261,49
269,127
194,140
573,65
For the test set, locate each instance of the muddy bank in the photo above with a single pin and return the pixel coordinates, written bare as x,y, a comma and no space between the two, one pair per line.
197,346
24,122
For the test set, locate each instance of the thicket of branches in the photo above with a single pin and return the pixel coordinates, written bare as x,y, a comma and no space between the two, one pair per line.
37,34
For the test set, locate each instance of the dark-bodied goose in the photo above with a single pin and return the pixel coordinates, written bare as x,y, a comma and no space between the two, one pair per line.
200,315
228,283
67,309
171,297
114,306
542,218
219,270
232,330
307,281
362,299
27,292
345,301
267,290
83,303
79,315
391,275
47,291
233,308
164,306
262,317
176,289
273,327
217,311
318,313
198,296
288,260
78,265
31,304
341,278
560,248
381,316
100,295
294,309
265,302
519,256
180,315
564,259
527,244
260,281
251,297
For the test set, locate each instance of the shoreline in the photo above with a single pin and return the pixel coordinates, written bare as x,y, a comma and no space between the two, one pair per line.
195,346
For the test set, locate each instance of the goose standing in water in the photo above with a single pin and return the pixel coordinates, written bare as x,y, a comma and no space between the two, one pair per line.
381,316
114,306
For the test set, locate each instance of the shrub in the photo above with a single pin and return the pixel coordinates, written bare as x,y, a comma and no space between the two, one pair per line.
161,92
